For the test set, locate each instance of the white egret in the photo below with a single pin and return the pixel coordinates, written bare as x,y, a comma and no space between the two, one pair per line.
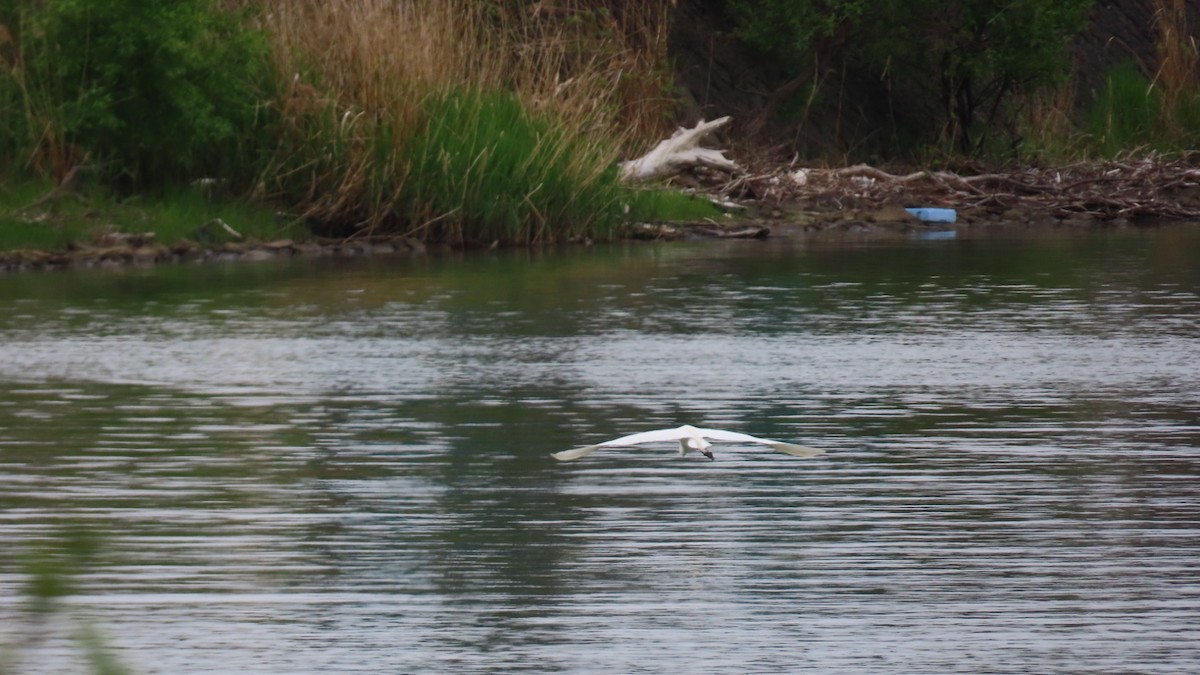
690,439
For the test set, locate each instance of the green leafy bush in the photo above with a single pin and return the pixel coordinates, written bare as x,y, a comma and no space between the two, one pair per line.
150,90
794,29
947,69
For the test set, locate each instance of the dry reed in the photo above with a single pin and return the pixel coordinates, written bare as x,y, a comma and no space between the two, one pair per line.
362,74
1178,74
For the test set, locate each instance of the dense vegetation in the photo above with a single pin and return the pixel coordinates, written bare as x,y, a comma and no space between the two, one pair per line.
474,121
973,78
947,71
452,120
151,90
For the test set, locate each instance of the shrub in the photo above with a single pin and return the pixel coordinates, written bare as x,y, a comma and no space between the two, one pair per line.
151,90
947,70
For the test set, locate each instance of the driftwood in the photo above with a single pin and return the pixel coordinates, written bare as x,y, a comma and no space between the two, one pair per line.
1143,188
703,229
67,188
679,152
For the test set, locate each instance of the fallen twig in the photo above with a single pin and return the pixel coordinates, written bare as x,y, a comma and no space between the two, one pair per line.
1144,188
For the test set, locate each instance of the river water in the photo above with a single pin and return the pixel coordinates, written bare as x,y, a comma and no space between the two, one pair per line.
311,467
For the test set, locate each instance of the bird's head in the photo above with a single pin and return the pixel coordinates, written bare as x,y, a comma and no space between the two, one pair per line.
700,445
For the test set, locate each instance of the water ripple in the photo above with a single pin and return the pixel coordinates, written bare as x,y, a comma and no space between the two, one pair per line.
347,469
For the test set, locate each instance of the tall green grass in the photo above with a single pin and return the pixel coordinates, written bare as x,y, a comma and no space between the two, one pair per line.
1125,113
1132,112
1144,106
484,168
456,121
451,120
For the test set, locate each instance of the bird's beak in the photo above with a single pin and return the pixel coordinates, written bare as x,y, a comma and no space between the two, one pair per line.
708,454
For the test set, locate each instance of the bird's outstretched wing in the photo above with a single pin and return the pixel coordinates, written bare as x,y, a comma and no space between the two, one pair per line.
661,435
796,450
735,437
656,436
567,455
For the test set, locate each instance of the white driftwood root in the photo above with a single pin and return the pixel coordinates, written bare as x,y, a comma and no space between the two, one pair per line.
681,151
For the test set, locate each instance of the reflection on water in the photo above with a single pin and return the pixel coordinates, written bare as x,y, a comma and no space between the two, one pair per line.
308,468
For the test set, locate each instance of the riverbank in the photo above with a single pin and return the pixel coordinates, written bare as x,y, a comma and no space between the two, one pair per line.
63,227
1143,191
867,200
140,251
764,201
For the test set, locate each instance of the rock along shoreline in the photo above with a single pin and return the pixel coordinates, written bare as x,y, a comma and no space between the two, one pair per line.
885,222
140,251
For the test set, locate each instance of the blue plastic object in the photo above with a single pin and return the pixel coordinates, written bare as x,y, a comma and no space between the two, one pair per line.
931,215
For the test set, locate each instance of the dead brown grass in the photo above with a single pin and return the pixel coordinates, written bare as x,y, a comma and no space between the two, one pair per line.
360,73
602,68
1178,73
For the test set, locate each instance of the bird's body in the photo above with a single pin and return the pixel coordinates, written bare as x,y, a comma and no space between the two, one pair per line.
691,439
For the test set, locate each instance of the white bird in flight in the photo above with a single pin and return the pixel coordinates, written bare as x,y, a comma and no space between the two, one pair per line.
690,439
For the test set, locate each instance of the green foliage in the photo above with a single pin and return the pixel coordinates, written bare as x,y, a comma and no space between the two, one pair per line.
172,214
183,213
1125,111
659,204
978,53
50,573
150,90
794,29
1129,113
1187,116
21,229
948,69
486,169
363,120
100,656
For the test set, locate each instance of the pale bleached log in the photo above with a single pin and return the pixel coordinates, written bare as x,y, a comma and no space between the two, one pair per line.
681,151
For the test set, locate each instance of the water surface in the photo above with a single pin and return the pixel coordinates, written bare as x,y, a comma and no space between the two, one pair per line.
312,467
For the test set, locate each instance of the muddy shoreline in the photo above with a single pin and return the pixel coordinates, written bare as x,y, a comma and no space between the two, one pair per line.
140,251
851,202
885,222
882,223
867,201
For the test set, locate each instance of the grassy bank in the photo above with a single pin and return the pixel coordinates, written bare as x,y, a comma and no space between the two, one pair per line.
458,122
33,215
447,121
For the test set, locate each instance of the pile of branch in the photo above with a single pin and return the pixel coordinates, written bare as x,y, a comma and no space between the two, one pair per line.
1145,188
